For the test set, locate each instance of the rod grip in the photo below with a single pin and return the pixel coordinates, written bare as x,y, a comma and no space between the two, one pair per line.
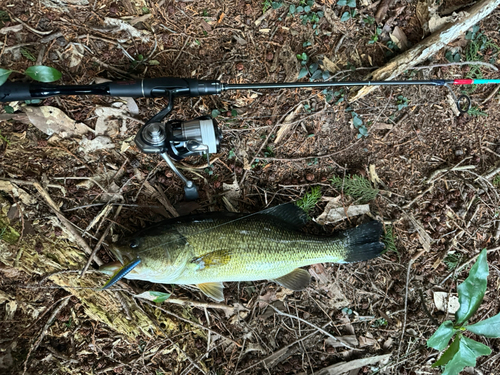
14,91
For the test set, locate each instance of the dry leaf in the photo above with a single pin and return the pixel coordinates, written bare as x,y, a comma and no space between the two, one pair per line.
440,302
335,211
343,367
232,193
373,175
74,53
13,189
98,143
52,120
118,25
286,124
399,38
382,10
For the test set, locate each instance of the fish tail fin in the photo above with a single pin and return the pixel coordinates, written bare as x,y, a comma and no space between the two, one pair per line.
363,242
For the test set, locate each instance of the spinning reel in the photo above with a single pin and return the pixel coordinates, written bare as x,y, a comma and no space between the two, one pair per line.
177,140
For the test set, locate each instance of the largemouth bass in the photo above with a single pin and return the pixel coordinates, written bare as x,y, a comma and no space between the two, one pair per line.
213,248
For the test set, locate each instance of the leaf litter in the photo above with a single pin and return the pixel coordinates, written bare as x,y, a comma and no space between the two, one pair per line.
404,156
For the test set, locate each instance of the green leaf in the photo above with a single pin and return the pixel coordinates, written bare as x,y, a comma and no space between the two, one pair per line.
489,327
345,16
342,3
313,67
300,9
43,73
157,297
153,62
234,113
292,9
4,74
215,113
351,3
449,353
357,121
303,72
471,291
8,109
468,351
325,75
439,340
316,75
276,4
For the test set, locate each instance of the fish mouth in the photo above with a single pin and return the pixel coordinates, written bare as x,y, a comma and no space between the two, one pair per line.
110,268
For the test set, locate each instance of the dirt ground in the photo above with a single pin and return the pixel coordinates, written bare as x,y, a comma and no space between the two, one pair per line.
437,189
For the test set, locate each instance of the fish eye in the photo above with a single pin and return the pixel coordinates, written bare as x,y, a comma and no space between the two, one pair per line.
134,244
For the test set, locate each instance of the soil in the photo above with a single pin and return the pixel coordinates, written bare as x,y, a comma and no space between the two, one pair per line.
437,190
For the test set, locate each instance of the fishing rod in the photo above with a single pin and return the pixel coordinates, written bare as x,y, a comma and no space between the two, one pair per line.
177,139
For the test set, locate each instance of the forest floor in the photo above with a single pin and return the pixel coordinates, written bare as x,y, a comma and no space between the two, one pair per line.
436,187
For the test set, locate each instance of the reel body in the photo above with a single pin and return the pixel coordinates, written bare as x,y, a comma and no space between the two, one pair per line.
176,139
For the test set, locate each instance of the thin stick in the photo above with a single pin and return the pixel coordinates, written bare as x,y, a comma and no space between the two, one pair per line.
488,65
99,243
192,323
69,226
45,329
312,325
406,306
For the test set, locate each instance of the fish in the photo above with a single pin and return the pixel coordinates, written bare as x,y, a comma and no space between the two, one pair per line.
212,248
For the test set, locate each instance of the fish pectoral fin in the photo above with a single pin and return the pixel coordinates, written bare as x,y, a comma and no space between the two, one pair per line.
212,259
298,279
213,290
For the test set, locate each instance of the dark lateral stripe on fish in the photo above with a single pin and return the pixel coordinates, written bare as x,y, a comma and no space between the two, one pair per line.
121,273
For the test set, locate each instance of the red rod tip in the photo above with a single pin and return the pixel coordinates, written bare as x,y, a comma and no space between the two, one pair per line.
463,81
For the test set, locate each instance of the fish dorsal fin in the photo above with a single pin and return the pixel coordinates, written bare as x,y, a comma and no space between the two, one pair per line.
290,214
213,290
298,279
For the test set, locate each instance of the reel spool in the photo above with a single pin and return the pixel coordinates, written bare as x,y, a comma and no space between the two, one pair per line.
177,140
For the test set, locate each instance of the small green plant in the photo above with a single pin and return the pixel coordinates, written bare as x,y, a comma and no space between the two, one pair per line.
451,261
39,73
381,322
476,112
480,48
231,154
351,13
4,17
369,20
313,69
306,14
401,102
496,181
330,95
374,38
309,201
3,138
346,16
266,4
452,57
269,152
356,186
357,122
389,240
26,53
464,351
349,3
